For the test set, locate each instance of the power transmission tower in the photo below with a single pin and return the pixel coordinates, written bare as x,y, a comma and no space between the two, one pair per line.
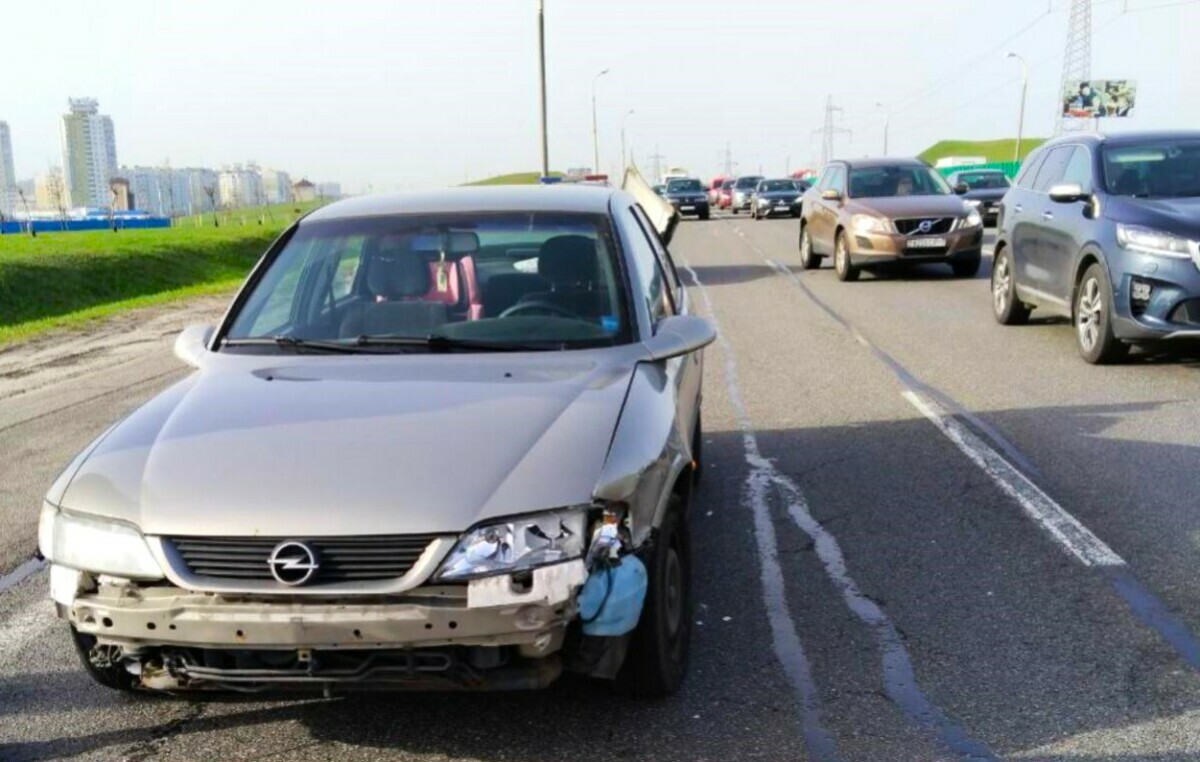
1077,63
657,158
828,131
728,161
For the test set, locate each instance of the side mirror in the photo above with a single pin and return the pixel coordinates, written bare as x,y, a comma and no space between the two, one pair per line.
1067,193
962,189
679,335
192,344
829,194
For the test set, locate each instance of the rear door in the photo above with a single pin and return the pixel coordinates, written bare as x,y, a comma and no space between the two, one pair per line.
1065,227
1038,272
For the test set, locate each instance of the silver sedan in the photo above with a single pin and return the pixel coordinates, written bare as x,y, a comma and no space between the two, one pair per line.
439,441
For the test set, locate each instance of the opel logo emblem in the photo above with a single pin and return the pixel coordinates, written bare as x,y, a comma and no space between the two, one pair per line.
293,563
925,226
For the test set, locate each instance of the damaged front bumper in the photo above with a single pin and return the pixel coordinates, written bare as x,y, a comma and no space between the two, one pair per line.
497,632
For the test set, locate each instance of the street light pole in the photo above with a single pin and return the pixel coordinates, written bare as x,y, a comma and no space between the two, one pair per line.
1024,92
624,156
595,129
887,123
542,78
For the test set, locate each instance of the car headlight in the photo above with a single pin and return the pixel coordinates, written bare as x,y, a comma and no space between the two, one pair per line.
94,544
869,223
973,219
517,544
1157,242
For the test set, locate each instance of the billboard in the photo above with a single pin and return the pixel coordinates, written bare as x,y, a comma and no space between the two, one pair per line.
1092,99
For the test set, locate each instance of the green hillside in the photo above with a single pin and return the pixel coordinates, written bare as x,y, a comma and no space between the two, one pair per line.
994,150
516,178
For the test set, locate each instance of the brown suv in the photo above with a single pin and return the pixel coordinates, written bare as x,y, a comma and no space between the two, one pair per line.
875,211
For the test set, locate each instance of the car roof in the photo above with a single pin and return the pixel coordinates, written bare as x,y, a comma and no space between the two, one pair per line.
881,162
1124,138
579,199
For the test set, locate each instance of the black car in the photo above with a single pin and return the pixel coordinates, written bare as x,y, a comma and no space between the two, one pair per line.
688,196
984,190
1106,231
776,197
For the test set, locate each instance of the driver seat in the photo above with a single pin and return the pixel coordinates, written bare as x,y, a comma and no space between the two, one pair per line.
569,263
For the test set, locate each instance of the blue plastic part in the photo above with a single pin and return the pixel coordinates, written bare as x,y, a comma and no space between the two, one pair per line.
611,601
610,323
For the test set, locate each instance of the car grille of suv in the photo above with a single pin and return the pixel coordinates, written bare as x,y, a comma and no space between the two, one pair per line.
937,225
341,559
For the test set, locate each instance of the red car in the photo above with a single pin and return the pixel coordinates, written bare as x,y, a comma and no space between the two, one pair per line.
714,190
725,195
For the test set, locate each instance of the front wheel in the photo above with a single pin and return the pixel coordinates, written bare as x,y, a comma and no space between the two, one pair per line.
846,271
1006,308
704,215
809,259
1093,319
735,210
658,653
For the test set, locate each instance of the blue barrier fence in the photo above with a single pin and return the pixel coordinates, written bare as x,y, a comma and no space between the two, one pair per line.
57,226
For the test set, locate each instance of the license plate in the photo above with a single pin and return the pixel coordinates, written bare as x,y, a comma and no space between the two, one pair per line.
926,243
686,208
781,206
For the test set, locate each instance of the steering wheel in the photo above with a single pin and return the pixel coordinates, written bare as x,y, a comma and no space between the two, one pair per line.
540,307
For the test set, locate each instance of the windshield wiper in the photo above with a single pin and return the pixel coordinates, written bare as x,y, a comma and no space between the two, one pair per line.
291,342
435,343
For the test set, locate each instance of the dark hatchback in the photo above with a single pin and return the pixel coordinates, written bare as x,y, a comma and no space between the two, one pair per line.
983,189
1105,230
688,196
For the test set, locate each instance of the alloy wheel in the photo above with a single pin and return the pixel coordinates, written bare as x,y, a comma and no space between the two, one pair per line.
1001,286
1089,314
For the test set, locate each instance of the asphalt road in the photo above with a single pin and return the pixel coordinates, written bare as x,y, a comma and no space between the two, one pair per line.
920,536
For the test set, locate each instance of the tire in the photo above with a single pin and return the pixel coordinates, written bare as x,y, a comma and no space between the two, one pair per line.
846,271
1092,318
704,215
111,675
1006,308
658,651
966,267
735,209
809,260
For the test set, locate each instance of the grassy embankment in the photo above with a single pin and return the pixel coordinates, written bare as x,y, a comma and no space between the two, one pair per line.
60,280
516,178
992,150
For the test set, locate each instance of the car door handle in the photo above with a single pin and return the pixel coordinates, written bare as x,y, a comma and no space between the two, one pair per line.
1047,215
1018,208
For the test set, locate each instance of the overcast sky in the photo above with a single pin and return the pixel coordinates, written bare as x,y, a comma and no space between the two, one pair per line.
389,95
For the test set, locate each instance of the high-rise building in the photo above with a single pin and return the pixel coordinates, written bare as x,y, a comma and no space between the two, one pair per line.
8,175
329,191
241,186
89,153
277,186
50,192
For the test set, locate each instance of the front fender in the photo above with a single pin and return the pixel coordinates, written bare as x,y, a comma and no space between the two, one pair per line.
648,451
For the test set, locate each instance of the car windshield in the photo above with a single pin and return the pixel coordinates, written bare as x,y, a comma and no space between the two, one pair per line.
746,183
880,182
538,280
684,186
1158,169
984,180
727,184
771,186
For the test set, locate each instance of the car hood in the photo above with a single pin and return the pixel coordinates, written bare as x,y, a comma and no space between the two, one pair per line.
910,206
324,446
1180,216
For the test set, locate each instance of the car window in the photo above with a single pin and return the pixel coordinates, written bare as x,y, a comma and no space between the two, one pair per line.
1053,167
982,180
1029,170
888,181
660,251
539,278
1079,169
837,180
777,185
651,286
747,183
1167,168
684,186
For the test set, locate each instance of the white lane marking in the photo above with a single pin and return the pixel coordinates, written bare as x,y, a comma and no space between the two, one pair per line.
1064,528
1077,539
786,640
